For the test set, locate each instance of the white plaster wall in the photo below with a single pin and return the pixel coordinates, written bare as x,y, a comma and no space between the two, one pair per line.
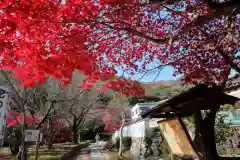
142,128
153,123
136,129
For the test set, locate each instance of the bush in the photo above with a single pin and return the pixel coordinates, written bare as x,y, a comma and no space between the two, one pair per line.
14,139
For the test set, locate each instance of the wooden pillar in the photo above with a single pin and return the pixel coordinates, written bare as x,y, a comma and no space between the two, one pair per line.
205,134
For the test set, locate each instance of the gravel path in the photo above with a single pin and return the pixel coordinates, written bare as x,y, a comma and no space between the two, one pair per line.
93,152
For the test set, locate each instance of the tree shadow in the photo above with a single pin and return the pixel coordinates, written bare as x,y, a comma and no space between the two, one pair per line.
5,157
47,153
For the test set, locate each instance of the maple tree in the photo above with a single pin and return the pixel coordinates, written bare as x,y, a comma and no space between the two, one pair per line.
14,119
54,37
111,120
199,38
78,112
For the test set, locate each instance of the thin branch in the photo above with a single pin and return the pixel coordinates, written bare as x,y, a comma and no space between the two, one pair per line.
26,95
19,101
46,114
221,6
31,108
159,71
84,114
234,77
140,34
228,60
71,108
74,97
10,5
36,100
169,2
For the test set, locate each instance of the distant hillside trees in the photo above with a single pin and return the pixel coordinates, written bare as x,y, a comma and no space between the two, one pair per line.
156,94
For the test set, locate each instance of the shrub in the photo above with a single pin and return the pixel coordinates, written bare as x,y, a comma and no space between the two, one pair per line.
14,139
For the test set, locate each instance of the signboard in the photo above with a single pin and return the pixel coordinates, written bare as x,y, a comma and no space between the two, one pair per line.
32,135
3,112
177,138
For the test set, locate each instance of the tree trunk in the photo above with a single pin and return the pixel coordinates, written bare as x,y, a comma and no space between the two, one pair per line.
22,154
120,152
75,135
51,134
37,146
50,144
205,135
79,136
75,130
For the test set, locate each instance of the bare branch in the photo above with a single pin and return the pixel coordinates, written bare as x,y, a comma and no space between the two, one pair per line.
74,97
46,114
19,102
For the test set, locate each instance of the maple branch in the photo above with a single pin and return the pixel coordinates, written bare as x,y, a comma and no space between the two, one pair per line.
38,104
26,95
71,108
72,98
46,114
138,33
159,71
169,2
230,87
10,5
225,79
231,84
220,9
20,102
160,68
57,101
168,40
81,115
80,120
234,77
210,3
221,6
229,60
67,119
87,108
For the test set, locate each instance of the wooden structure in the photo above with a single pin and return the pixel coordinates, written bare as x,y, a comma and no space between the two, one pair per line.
177,138
193,102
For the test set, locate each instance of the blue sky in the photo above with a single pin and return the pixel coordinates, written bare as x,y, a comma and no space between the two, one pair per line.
165,74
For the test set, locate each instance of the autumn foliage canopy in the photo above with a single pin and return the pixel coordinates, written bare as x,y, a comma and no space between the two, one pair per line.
199,38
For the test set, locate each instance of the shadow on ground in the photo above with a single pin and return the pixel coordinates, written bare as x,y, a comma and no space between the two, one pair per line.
4,157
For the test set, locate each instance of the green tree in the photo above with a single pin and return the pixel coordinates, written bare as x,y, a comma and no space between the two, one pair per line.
134,100
156,94
222,131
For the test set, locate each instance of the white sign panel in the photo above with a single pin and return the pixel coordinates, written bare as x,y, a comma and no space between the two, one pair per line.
32,135
3,111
